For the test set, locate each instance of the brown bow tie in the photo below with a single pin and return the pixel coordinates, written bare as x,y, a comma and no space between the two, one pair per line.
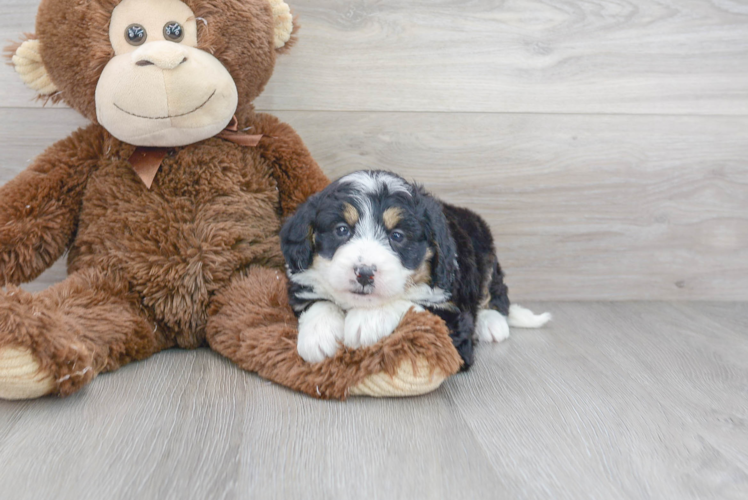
146,161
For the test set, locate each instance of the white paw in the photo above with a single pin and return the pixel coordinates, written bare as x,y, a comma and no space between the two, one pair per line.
491,326
524,318
365,327
321,329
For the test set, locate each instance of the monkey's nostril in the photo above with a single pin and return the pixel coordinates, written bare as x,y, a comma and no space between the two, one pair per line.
143,62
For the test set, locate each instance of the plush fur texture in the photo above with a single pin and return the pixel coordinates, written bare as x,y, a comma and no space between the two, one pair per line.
190,261
252,324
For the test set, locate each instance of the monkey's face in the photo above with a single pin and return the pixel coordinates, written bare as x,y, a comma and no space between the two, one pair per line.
159,89
156,72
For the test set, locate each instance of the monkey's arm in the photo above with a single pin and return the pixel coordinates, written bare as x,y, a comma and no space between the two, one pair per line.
39,207
297,174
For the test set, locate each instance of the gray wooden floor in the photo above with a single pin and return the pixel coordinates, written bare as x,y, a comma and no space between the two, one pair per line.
612,400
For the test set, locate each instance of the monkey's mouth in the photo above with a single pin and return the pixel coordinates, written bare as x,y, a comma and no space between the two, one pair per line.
167,116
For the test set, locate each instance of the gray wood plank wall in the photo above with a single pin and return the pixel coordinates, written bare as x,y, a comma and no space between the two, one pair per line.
606,142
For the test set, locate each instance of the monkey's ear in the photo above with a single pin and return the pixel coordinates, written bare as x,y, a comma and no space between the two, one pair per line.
283,24
27,60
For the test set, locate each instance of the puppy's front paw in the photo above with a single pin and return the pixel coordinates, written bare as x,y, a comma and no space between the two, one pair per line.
321,329
491,326
365,327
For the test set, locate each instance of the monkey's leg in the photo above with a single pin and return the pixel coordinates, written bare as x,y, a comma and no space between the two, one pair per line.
252,324
58,340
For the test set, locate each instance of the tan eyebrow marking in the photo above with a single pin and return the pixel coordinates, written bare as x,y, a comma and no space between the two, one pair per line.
423,273
391,217
350,214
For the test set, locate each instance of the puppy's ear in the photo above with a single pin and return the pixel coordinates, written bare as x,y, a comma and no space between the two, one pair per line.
297,236
444,265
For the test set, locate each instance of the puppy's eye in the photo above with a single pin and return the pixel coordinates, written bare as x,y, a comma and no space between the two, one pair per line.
135,34
173,31
397,236
342,230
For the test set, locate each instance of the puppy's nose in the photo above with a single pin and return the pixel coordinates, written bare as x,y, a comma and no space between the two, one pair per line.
365,274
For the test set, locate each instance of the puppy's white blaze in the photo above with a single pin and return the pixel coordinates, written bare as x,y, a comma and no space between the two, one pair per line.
367,228
373,182
365,327
321,328
491,326
524,318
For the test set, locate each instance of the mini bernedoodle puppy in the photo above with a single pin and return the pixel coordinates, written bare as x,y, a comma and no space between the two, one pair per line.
370,246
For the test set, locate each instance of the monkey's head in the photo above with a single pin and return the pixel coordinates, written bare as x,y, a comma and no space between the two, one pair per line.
155,72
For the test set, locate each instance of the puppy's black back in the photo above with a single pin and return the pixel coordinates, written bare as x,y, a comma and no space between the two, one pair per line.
479,281
469,229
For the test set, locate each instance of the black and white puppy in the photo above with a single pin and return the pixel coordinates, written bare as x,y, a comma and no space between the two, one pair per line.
370,246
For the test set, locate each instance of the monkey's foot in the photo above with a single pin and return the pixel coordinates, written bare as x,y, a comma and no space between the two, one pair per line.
21,376
405,382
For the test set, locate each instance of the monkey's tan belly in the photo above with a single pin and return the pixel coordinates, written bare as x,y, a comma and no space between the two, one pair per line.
181,241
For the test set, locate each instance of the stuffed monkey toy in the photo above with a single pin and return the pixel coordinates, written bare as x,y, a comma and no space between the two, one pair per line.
169,206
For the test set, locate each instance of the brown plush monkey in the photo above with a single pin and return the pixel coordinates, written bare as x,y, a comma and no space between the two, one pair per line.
171,222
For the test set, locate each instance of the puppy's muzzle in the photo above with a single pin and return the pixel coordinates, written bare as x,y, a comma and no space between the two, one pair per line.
365,274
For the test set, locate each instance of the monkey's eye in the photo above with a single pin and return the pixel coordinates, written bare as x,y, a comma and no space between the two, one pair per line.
342,230
135,34
173,31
